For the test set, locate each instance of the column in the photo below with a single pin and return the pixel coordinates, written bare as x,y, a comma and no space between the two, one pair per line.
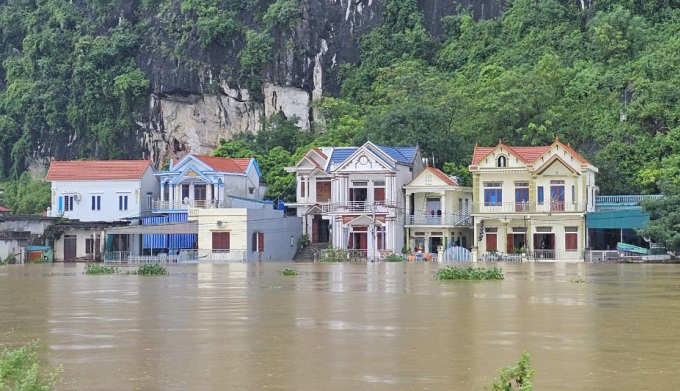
191,193
171,195
162,191
444,209
209,193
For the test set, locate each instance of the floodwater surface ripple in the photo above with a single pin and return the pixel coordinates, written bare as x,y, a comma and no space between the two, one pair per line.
377,326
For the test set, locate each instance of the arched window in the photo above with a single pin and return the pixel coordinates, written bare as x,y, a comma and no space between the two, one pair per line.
501,161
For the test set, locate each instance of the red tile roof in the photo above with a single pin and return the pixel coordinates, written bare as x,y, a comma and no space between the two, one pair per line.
3,209
442,176
323,155
225,164
96,169
528,154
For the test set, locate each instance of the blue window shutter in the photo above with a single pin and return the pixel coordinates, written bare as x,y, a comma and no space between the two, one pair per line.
93,202
540,194
500,196
61,203
126,199
120,202
99,202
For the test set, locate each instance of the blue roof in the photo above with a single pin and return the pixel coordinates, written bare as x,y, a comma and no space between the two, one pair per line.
341,154
400,154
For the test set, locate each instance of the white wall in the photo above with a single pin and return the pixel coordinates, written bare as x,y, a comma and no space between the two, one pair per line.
109,190
81,236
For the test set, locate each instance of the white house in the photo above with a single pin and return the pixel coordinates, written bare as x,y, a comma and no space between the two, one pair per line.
96,190
531,200
353,197
438,212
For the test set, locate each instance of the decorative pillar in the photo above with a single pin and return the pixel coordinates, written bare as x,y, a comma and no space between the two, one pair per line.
162,191
209,193
191,193
171,195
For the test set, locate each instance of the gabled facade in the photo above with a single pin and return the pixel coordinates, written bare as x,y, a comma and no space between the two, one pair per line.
352,197
531,200
439,212
99,190
205,181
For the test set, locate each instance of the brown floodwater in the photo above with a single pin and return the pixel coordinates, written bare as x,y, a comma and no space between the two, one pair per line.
376,326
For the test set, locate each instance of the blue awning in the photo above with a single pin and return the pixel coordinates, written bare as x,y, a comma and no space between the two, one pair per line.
633,218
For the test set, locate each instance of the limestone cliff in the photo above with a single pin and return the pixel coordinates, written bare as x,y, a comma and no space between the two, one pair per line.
197,97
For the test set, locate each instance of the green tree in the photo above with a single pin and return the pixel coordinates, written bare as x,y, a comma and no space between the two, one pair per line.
27,195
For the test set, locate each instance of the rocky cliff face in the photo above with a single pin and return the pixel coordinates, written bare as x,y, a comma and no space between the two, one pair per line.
197,98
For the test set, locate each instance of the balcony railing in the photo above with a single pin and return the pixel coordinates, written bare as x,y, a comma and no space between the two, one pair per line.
530,207
619,202
183,256
356,207
548,255
460,218
201,204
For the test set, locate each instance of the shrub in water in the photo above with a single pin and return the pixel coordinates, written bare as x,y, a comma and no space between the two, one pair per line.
394,258
20,370
289,272
469,273
91,268
151,270
515,377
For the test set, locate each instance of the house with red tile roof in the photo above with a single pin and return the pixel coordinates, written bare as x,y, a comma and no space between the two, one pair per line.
98,190
206,181
438,215
531,201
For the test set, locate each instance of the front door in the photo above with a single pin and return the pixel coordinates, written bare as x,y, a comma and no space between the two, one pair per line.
491,243
320,230
435,242
70,243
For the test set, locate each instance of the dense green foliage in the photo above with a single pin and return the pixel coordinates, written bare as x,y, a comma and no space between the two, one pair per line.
604,79
664,213
20,370
515,377
26,195
469,273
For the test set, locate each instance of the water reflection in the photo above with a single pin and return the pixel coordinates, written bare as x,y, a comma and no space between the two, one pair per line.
380,326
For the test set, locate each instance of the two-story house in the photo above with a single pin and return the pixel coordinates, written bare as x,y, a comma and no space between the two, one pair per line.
438,212
353,197
101,190
198,181
531,200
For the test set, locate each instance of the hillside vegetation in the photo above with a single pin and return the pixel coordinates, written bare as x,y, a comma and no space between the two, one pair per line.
605,79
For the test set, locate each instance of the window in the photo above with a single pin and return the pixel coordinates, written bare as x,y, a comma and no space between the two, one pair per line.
302,188
122,202
257,243
89,246
573,194
96,202
220,241
66,203
540,195
521,196
379,191
556,197
323,191
493,193
502,161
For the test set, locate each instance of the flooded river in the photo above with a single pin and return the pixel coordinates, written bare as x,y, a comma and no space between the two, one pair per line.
348,326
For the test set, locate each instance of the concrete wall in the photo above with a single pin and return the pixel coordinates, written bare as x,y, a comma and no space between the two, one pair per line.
109,190
241,223
81,236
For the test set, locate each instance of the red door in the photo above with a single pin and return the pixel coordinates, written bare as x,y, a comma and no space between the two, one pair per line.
491,242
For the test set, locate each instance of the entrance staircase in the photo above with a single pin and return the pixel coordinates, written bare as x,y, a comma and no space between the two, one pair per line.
310,253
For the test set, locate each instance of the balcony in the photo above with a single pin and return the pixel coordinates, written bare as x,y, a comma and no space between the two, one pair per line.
460,218
348,207
621,202
531,207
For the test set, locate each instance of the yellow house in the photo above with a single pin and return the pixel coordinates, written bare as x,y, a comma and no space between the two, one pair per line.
438,212
531,201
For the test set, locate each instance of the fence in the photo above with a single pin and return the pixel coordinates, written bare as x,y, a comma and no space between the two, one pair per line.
183,256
